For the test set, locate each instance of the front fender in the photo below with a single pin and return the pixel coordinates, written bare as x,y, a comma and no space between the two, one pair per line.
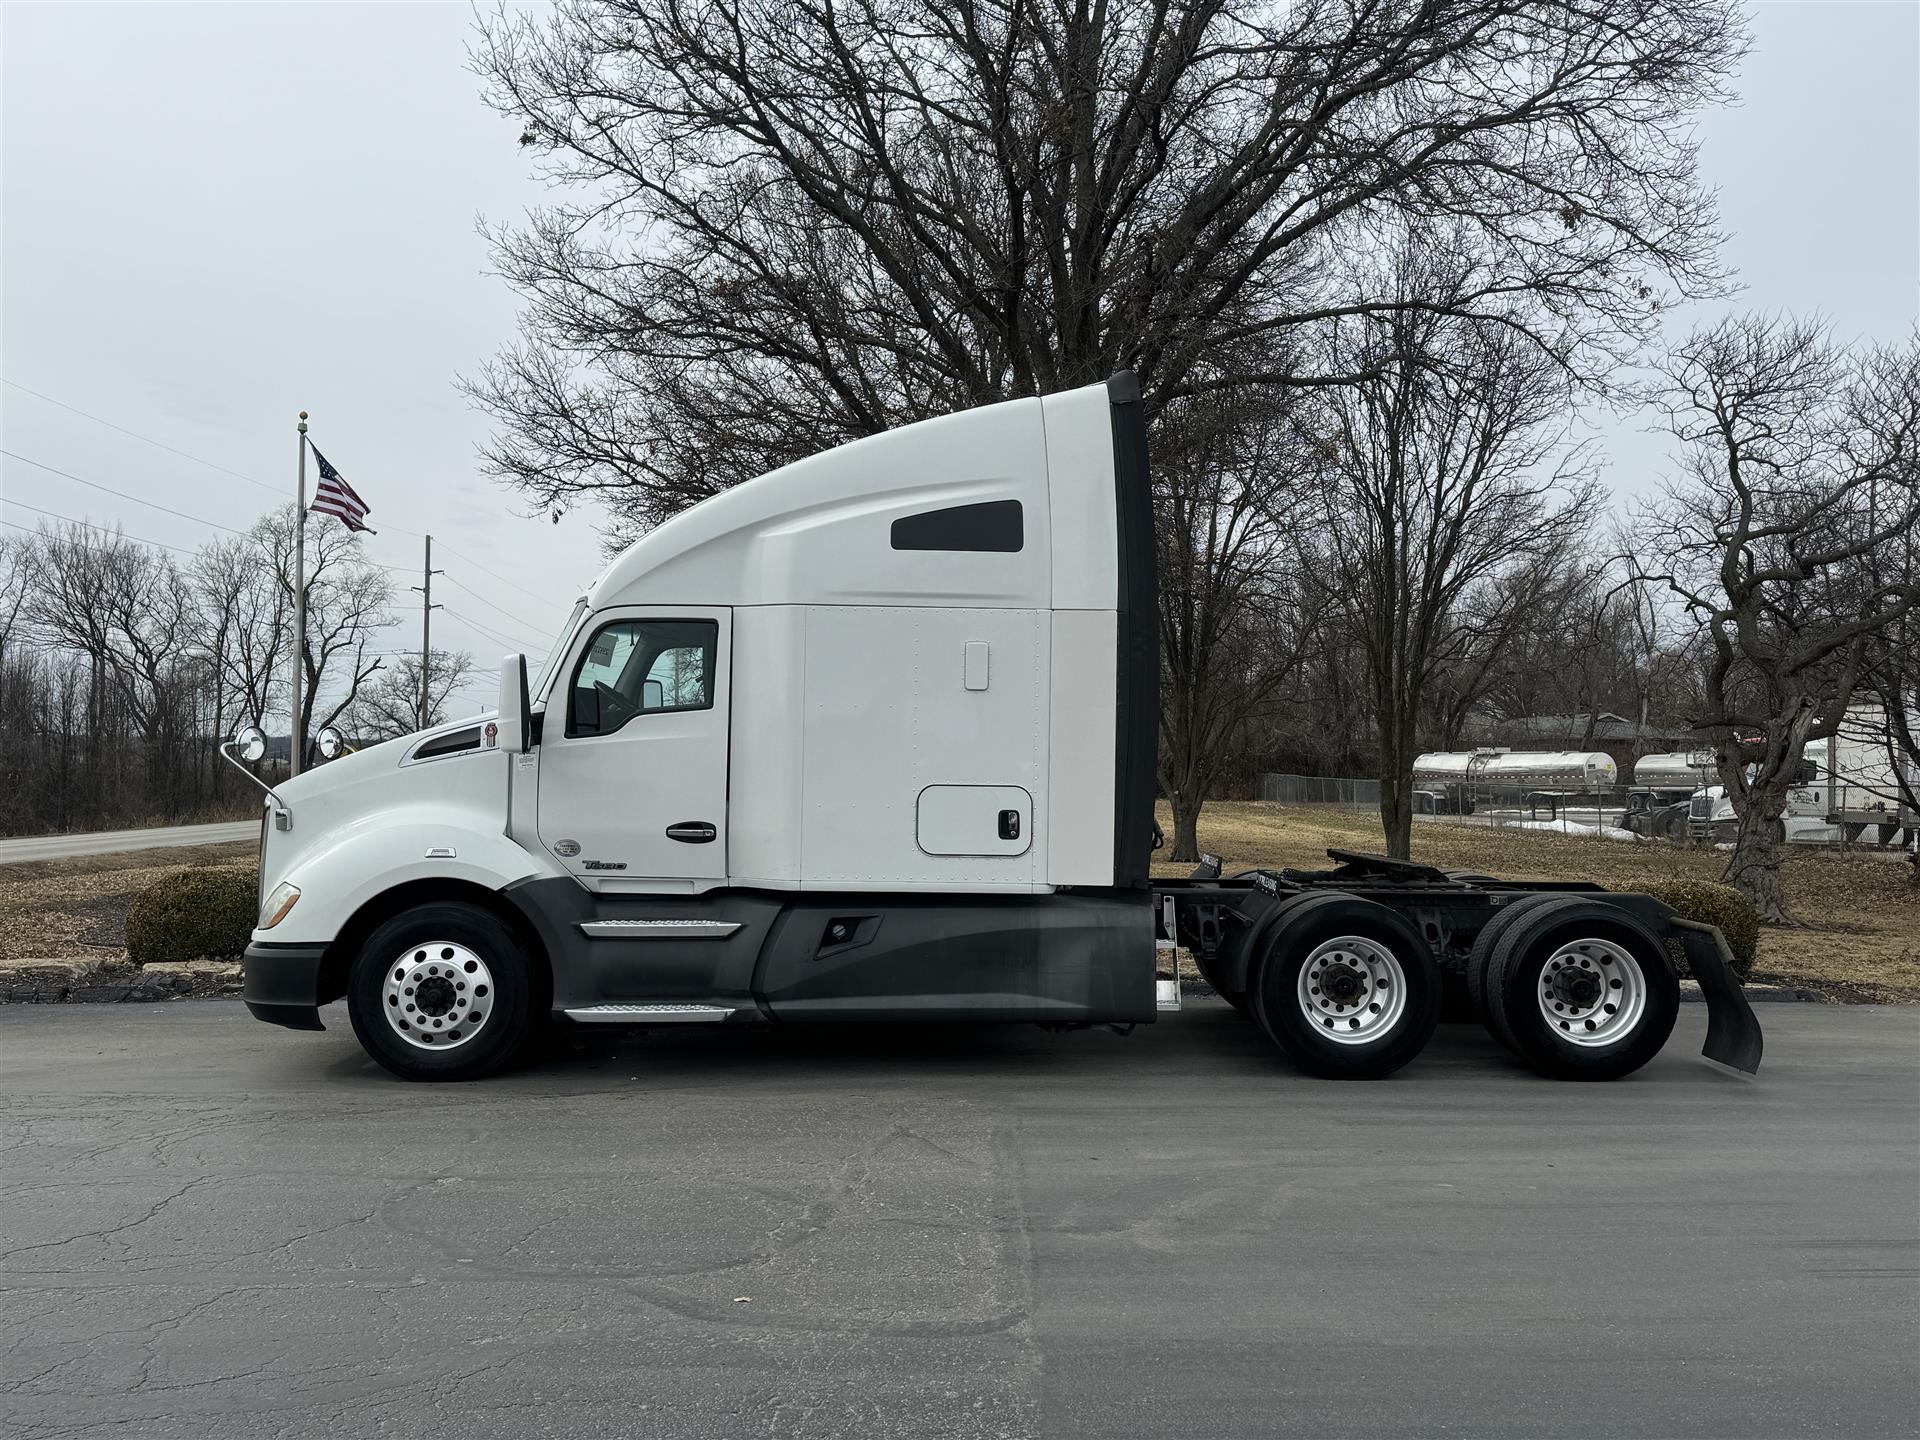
337,879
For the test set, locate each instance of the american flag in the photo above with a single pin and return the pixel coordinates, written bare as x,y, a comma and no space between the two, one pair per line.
333,496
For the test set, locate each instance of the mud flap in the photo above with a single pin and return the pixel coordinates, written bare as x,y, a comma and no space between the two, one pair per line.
1733,1034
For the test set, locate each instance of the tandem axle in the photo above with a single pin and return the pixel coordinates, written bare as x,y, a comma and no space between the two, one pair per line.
1579,981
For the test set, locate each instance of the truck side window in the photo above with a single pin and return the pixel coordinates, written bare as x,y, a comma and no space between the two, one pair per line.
639,667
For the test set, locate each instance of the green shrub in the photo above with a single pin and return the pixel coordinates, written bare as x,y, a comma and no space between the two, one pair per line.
1721,905
203,914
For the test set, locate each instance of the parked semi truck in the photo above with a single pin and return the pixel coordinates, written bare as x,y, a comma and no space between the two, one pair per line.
1847,788
872,738
1663,788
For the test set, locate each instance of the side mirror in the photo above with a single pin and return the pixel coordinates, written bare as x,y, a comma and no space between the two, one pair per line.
653,695
516,711
250,744
330,742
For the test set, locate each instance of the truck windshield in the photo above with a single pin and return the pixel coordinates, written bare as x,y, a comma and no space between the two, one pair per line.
560,644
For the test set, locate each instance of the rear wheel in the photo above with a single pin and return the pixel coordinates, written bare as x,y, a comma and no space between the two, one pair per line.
1346,988
1210,972
1504,919
1581,990
441,992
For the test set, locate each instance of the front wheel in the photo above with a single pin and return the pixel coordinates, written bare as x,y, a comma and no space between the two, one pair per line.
1346,988
441,992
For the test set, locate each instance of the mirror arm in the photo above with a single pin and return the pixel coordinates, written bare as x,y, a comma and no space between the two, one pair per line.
282,815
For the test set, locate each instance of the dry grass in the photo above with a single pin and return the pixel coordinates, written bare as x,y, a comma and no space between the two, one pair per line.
46,906
1859,933
1859,937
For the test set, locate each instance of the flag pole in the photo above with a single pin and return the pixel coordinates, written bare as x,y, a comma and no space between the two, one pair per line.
294,745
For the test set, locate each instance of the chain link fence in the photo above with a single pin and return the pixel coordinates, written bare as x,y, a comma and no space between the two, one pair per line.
1345,792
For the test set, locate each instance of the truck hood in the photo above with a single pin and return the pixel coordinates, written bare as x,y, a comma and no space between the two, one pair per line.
350,770
441,787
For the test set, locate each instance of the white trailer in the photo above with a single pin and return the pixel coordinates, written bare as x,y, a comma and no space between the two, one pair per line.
873,738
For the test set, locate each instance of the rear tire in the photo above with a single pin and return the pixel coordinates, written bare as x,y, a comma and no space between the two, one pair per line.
1210,972
1504,919
441,992
1581,991
1346,988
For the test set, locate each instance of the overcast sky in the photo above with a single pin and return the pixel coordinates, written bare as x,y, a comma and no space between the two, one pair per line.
212,217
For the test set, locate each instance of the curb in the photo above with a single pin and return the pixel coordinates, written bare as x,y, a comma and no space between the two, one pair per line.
95,982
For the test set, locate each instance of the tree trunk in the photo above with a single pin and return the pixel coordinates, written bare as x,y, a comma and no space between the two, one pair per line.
1396,781
1186,824
1396,814
1754,869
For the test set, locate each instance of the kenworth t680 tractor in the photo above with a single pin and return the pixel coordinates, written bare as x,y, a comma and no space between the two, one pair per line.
872,737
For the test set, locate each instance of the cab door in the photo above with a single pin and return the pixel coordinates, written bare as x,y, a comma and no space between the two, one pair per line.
633,751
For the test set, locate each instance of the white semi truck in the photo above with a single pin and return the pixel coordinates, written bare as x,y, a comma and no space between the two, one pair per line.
1847,789
873,738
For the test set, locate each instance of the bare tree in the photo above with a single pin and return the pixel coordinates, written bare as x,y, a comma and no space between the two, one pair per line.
349,601
1447,479
792,222
1785,540
244,600
15,565
124,605
1230,621
390,705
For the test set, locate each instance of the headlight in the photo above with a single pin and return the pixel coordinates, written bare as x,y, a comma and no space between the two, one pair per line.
278,904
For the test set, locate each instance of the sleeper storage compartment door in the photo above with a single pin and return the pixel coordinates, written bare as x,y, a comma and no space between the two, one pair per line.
975,820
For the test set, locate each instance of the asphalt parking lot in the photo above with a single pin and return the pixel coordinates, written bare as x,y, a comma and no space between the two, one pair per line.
210,1228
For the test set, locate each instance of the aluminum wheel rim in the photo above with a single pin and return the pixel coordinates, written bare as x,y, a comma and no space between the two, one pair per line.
1591,992
437,995
1352,990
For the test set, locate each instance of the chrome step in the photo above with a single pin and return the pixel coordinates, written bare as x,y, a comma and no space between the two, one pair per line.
650,1014
659,929
1166,944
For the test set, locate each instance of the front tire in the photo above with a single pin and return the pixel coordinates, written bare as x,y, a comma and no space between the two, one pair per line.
441,992
1346,988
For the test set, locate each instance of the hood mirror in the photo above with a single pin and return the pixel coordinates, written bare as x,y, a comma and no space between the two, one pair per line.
331,743
245,748
250,744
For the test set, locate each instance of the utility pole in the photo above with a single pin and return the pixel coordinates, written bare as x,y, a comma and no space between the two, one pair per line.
294,735
427,607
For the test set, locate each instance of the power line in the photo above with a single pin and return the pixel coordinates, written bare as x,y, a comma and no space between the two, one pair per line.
145,439
84,525
224,470
491,604
492,634
96,485
543,599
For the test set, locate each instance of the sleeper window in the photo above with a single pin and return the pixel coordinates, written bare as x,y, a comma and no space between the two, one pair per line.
637,667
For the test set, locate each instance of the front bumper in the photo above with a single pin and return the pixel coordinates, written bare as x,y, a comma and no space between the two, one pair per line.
282,984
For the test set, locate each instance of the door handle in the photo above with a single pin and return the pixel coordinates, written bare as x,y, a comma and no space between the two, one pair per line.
692,832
